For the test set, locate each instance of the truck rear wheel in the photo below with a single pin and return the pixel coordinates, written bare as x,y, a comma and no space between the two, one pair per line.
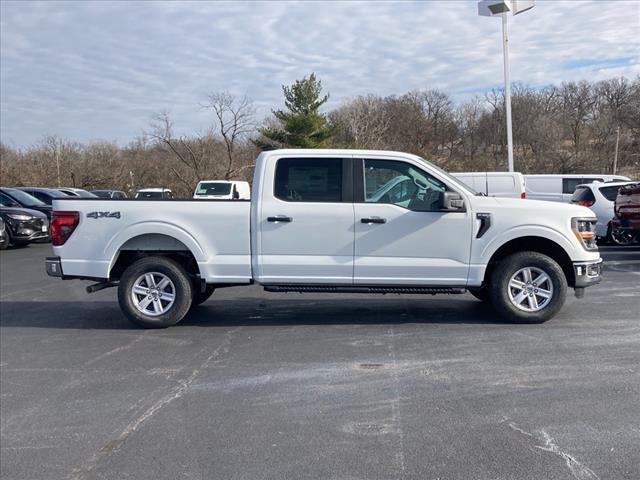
528,287
155,292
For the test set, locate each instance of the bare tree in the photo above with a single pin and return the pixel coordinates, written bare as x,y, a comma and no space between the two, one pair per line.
193,153
235,121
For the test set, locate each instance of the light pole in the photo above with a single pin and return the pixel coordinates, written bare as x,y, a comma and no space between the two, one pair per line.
494,8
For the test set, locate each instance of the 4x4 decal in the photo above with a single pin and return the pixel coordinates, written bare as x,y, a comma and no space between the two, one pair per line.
103,215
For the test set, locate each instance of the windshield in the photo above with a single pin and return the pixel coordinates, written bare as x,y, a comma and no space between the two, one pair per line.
25,199
451,178
148,195
214,188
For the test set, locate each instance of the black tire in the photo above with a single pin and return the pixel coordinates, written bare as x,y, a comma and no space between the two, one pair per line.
481,294
181,287
500,290
7,242
201,297
622,238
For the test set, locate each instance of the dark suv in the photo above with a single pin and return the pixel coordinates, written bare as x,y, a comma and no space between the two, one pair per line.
46,195
12,197
625,226
23,226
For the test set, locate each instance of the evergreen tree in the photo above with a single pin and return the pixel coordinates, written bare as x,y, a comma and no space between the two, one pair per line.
301,125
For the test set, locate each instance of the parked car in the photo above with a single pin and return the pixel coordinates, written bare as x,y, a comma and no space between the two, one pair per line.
24,226
222,190
560,188
45,195
4,238
12,197
77,192
495,184
115,194
599,197
313,226
154,194
625,226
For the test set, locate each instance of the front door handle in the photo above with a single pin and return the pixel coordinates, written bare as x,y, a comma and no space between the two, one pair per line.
373,220
279,218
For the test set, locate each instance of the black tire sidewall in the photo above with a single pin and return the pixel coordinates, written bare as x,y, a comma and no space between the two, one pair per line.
201,297
481,293
181,282
507,268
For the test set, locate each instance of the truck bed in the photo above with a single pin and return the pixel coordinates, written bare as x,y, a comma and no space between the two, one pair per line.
216,232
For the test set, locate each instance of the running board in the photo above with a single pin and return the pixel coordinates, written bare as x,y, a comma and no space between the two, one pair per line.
362,289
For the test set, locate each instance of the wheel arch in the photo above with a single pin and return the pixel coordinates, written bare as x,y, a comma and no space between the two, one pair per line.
532,243
182,250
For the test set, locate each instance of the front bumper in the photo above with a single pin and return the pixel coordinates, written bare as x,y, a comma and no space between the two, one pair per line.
54,266
587,273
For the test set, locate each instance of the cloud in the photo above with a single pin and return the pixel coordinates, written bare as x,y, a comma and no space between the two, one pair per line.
99,70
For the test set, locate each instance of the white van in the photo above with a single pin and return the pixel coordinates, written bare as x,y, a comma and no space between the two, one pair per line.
560,187
495,184
222,190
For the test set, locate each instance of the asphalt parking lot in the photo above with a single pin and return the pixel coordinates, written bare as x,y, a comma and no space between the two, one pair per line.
277,386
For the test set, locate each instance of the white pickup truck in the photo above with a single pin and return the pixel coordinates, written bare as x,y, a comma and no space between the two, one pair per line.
318,222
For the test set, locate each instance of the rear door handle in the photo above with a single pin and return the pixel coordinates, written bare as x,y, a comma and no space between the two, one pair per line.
279,218
373,220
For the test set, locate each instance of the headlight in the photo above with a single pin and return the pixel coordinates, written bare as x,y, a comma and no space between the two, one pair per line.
22,218
585,230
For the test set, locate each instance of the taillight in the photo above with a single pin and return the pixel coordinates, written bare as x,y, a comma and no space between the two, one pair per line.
62,226
523,195
585,203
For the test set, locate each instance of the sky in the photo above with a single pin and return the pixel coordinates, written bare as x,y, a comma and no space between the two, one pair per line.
100,70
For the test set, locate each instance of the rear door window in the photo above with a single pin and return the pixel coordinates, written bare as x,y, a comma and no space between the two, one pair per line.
309,180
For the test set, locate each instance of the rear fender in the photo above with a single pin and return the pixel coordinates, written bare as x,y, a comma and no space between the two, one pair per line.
114,245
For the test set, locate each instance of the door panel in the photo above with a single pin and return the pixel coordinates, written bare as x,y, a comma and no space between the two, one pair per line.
408,241
306,223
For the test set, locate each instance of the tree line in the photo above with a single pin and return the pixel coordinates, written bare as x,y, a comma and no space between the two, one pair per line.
569,128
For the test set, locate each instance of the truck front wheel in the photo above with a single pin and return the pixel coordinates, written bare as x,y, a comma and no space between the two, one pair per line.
528,287
200,296
155,292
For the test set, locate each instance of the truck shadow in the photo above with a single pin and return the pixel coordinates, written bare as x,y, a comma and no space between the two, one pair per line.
275,311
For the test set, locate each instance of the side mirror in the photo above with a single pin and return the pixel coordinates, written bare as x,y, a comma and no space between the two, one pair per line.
451,202
236,195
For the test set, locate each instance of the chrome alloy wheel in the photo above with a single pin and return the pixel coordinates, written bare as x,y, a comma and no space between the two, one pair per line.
153,293
530,289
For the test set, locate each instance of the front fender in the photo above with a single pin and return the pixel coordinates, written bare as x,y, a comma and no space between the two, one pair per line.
521,231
